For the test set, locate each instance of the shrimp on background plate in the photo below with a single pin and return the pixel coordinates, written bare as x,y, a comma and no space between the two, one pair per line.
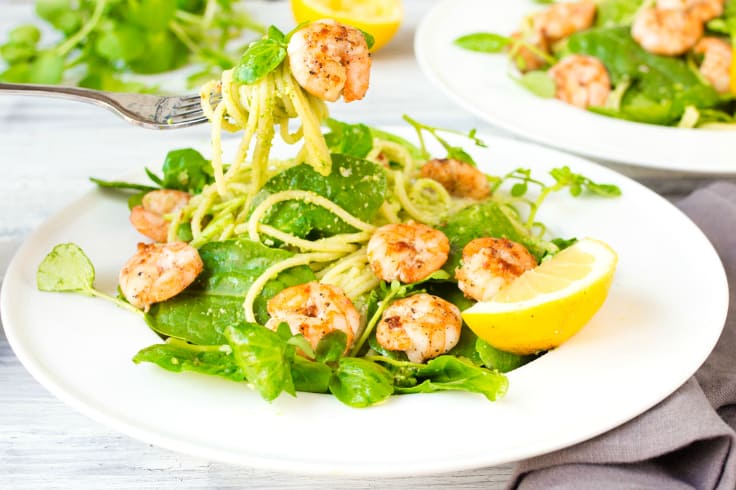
717,61
329,59
423,326
581,81
669,32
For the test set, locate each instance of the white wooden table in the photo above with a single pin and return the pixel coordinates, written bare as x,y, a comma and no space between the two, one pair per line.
48,149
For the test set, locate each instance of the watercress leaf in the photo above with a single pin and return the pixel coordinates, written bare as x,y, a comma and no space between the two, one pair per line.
612,13
331,346
18,73
25,34
60,14
519,189
458,153
152,15
186,170
563,243
483,42
360,383
605,190
164,52
65,268
264,358
118,184
154,178
201,312
178,356
276,34
538,83
369,39
391,354
17,52
310,376
349,139
354,184
260,59
46,69
120,44
452,373
298,341
500,360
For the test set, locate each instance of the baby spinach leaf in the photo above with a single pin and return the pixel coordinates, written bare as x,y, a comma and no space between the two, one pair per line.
500,360
261,58
187,170
178,356
355,140
120,43
661,86
357,185
361,383
483,42
264,358
451,373
485,219
215,300
331,347
67,269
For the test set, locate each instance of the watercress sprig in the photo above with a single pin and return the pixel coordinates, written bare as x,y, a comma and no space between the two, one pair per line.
456,152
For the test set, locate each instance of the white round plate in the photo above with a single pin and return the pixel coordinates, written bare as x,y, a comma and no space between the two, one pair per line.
662,318
480,83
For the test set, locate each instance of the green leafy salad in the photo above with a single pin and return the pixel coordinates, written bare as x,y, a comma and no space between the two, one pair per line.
268,271
662,62
105,43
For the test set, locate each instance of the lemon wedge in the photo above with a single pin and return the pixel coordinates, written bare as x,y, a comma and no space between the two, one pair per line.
380,18
547,305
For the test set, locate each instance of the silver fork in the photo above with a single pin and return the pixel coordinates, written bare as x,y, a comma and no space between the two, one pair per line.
148,111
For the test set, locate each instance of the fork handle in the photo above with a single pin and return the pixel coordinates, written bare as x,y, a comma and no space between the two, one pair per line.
59,91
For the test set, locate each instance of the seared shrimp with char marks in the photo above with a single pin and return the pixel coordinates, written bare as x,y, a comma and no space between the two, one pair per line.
561,20
148,217
408,252
314,310
328,59
159,271
705,10
582,81
422,325
669,32
489,264
459,178
717,60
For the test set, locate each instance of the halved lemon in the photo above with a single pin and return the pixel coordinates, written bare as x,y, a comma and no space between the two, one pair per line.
380,18
549,304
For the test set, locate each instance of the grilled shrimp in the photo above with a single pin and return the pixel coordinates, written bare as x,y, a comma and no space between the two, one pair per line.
716,65
489,264
148,217
563,19
314,310
669,32
524,58
581,81
408,252
459,178
159,271
328,59
422,325
705,10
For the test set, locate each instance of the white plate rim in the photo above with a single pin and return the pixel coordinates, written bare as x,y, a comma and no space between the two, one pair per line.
27,358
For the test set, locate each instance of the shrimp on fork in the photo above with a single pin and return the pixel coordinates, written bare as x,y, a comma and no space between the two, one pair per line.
329,59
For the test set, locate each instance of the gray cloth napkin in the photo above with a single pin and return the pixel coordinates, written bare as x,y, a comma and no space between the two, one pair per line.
687,440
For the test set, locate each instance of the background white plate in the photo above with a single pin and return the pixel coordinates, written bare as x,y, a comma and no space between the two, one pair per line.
665,312
480,84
